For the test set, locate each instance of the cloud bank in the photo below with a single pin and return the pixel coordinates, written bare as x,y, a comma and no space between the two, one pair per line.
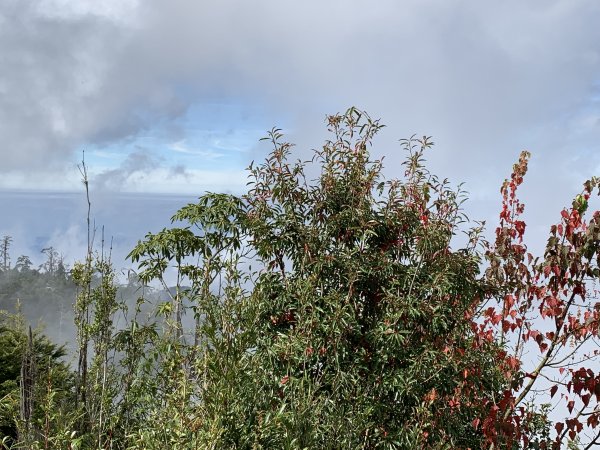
486,80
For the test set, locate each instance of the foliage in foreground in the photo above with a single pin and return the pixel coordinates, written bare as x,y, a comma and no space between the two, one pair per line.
341,312
350,331
36,402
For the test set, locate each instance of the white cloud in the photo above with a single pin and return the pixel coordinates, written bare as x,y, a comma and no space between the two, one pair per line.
181,147
120,11
41,180
191,181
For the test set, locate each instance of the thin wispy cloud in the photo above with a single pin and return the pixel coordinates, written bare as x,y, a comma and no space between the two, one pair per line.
181,147
133,168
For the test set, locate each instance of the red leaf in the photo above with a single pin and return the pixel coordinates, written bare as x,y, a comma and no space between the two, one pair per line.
520,227
509,301
585,399
513,362
570,406
553,390
559,427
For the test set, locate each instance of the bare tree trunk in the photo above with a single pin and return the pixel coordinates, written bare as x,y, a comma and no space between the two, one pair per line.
28,373
84,319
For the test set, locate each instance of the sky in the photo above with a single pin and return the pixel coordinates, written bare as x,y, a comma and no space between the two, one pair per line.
166,100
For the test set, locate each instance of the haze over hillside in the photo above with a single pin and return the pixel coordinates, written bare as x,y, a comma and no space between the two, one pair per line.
37,220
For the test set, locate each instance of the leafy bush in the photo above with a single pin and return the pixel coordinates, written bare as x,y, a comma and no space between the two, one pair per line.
333,313
51,396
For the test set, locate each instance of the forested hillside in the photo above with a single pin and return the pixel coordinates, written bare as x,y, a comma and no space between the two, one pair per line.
42,294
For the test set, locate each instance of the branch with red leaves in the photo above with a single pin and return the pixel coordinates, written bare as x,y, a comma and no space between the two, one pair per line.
545,305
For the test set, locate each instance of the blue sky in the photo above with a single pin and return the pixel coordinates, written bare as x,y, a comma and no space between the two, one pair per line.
207,147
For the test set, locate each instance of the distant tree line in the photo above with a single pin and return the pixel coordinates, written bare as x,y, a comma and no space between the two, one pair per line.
53,264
